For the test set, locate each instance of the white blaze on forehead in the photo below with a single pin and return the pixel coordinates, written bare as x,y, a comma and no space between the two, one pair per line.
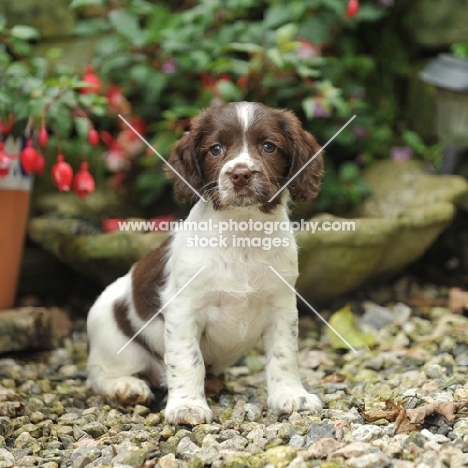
245,111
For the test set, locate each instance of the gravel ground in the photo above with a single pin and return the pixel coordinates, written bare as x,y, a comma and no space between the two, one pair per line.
49,418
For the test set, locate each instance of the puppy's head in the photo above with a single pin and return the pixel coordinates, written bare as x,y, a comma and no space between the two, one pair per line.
241,154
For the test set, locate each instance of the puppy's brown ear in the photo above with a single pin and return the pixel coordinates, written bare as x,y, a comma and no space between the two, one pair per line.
185,169
303,149
305,185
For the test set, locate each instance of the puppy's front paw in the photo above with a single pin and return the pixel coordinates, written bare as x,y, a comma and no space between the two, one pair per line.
290,400
130,390
186,411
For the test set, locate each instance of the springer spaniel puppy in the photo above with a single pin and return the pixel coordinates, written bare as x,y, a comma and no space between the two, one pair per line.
237,156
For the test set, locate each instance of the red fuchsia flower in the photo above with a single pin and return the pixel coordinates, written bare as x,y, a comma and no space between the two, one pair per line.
94,81
107,138
62,174
117,101
307,50
225,76
5,161
6,127
209,82
84,183
126,146
111,224
138,124
352,8
28,158
401,153
243,81
40,164
116,160
43,136
93,136
162,223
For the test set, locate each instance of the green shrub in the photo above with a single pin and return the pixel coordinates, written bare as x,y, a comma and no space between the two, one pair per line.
170,61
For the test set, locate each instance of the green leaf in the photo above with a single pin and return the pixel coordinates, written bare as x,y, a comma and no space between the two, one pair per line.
150,184
247,47
141,7
344,323
5,98
26,33
286,33
82,127
276,15
308,105
276,57
460,49
126,24
349,172
90,26
83,3
370,13
229,91
230,65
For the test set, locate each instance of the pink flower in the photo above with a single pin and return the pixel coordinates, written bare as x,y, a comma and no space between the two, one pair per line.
169,66
307,50
401,153
321,111
360,132
116,161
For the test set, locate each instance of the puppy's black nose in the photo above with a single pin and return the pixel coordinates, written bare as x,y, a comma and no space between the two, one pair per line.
240,176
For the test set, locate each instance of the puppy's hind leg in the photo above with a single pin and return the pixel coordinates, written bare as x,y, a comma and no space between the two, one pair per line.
109,371
117,381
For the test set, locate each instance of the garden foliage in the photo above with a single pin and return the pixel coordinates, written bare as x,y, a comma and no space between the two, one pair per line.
172,58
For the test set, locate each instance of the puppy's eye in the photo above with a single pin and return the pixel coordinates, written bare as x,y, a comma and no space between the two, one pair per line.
216,150
268,147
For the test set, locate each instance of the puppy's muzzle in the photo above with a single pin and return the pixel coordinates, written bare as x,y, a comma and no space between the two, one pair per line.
240,176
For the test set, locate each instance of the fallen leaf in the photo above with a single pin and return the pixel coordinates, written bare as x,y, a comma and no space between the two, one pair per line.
390,413
403,425
446,408
407,420
344,323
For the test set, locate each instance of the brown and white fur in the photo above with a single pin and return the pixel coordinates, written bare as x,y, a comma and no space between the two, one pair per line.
238,156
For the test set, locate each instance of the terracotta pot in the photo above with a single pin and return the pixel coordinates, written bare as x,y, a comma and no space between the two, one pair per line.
14,208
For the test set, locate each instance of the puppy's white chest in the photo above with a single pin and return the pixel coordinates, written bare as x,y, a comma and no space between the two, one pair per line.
231,324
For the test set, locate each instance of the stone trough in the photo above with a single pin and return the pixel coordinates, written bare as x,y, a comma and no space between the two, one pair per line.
393,228
406,212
